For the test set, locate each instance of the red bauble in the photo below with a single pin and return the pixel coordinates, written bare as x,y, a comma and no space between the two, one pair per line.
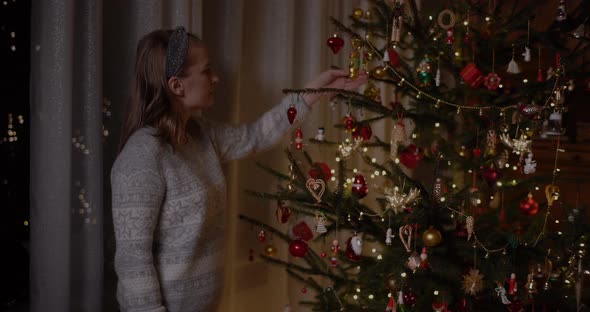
359,186
291,113
320,170
364,131
476,152
349,123
302,231
529,206
323,254
335,43
303,290
410,157
409,298
298,248
491,175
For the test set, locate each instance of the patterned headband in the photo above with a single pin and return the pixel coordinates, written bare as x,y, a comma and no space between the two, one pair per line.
176,52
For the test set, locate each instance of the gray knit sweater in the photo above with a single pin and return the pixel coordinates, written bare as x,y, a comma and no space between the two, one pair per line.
169,210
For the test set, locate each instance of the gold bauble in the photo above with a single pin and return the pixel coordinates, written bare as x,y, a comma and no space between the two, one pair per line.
270,251
379,72
356,43
357,13
431,237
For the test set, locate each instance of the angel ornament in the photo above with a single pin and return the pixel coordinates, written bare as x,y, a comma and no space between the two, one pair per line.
501,292
320,220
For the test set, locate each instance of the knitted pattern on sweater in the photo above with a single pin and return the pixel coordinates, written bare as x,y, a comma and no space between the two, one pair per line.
168,211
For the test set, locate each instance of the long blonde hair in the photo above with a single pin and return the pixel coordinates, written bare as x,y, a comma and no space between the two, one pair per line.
150,103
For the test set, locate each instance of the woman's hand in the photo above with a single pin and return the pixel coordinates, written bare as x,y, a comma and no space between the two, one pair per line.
333,78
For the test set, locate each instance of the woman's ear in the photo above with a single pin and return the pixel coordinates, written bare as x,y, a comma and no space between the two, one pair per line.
175,86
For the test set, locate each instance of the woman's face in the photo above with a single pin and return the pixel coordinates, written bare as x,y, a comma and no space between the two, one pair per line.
198,80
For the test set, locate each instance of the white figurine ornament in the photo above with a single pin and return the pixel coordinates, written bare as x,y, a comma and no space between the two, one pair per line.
530,165
388,236
320,135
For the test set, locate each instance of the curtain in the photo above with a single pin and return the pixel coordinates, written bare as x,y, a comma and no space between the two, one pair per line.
66,156
81,71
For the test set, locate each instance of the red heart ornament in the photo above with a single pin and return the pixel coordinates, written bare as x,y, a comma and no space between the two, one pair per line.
335,43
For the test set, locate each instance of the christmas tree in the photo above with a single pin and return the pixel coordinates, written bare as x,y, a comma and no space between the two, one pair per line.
443,207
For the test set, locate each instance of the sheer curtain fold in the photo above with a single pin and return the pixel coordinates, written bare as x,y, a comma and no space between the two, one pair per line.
66,156
81,74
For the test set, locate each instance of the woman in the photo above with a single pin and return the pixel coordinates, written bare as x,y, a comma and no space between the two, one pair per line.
169,191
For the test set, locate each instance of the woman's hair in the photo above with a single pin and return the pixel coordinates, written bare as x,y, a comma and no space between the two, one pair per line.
150,103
